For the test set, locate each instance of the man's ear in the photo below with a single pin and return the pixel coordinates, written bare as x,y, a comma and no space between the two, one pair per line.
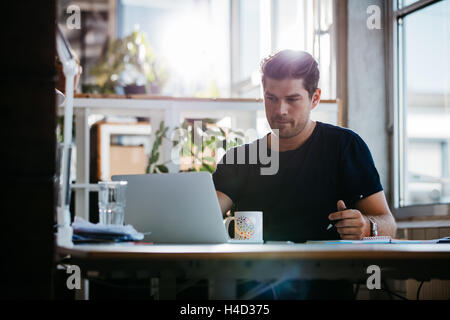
315,98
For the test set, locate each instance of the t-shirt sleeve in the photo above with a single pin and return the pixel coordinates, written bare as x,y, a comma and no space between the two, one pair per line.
359,177
226,177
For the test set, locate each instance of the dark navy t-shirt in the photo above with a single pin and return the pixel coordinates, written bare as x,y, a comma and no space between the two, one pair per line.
333,164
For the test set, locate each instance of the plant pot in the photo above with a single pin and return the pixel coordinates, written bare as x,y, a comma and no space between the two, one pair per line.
134,89
155,88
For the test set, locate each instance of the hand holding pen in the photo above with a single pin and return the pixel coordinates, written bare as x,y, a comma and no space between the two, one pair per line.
350,223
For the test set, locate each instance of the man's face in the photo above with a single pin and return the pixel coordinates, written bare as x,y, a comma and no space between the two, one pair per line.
288,105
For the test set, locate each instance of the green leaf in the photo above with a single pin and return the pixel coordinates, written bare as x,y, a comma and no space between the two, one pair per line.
208,167
162,168
209,159
154,157
175,143
185,125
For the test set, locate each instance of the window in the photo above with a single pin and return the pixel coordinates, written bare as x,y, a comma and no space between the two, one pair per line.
424,104
267,26
202,48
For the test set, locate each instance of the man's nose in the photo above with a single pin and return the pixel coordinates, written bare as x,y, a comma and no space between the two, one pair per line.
283,108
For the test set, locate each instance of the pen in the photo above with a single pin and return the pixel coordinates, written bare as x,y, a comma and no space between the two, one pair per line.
352,204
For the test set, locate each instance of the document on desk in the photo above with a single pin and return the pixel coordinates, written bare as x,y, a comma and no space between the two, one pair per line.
372,240
347,241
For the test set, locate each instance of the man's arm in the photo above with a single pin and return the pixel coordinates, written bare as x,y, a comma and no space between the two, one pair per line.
356,225
224,201
376,207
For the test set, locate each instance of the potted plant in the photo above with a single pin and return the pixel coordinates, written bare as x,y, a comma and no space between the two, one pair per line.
132,64
201,156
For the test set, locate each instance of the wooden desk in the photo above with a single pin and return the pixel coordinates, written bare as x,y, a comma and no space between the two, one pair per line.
222,264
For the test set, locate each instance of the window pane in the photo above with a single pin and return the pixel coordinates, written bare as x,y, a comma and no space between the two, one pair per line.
427,105
405,3
307,25
190,37
249,38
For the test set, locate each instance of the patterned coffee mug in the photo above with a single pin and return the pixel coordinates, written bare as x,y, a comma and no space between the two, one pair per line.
248,225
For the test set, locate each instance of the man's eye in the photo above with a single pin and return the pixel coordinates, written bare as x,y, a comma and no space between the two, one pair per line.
292,100
271,98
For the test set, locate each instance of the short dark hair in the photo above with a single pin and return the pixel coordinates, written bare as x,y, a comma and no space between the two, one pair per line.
292,64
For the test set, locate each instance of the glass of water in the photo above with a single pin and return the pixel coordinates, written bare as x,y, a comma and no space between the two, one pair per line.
111,202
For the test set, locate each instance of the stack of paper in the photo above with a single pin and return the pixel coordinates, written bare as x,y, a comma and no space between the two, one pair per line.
85,231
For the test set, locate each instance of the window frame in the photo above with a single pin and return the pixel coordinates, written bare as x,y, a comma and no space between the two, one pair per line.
397,119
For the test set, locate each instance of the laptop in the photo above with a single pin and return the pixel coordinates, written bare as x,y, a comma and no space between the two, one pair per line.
175,208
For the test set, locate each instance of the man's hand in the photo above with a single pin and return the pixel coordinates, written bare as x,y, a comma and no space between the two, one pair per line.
225,202
353,225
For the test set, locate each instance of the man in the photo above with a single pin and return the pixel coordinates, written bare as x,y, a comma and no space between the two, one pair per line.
326,173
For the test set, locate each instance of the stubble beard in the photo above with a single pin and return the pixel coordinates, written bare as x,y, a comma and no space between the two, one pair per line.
292,132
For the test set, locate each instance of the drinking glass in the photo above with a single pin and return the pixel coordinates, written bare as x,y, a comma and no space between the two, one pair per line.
112,202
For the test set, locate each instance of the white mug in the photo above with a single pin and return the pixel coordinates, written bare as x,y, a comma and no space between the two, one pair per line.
248,225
